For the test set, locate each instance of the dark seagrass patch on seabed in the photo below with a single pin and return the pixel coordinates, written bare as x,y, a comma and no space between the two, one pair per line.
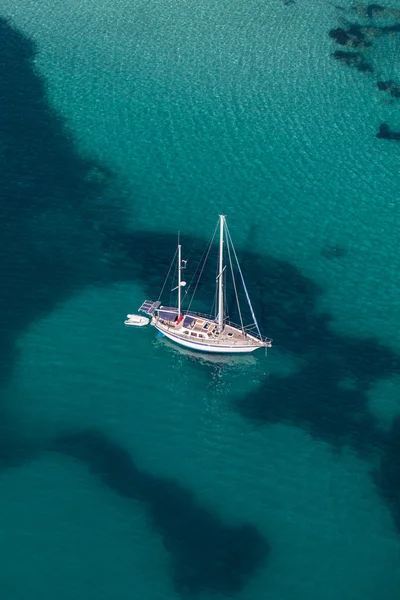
385,133
387,476
54,216
206,555
391,87
373,21
352,59
352,37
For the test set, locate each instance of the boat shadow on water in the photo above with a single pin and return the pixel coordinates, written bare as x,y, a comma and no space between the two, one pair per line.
205,358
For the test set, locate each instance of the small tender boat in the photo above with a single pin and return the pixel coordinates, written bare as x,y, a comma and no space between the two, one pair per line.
136,320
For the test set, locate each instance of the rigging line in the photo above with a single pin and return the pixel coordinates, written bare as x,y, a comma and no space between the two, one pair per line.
169,271
173,279
201,260
204,264
244,285
234,284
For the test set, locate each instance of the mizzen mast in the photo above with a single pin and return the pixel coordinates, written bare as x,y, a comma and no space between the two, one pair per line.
179,277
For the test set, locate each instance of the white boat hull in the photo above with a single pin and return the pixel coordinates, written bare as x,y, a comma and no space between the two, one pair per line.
208,348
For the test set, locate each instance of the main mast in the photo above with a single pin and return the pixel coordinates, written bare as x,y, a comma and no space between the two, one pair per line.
179,278
220,275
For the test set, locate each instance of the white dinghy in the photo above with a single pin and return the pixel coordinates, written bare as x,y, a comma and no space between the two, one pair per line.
136,320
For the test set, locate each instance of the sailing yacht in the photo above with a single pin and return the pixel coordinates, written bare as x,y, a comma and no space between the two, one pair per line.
208,332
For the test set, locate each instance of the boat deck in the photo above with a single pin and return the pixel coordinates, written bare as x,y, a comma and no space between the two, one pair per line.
203,330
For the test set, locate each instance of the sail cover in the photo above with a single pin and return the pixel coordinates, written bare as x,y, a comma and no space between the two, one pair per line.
168,313
188,320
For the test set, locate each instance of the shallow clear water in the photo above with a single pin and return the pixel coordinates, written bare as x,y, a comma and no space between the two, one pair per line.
130,466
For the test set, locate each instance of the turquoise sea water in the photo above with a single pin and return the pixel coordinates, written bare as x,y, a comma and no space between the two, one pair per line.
132,468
